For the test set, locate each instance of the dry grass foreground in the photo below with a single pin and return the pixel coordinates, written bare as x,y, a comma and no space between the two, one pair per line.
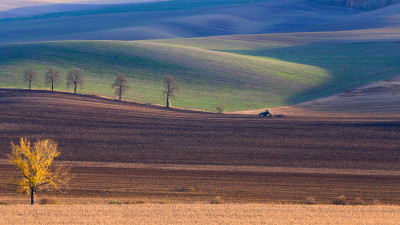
198,214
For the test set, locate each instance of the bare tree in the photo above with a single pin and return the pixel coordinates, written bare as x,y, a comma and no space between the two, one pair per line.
52,77
35,164
30,76
221,109
120,85
171,88
75,78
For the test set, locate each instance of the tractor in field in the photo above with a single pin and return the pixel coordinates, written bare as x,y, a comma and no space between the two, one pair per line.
267,113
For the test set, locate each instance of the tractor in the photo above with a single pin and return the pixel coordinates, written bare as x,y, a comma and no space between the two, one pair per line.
267,113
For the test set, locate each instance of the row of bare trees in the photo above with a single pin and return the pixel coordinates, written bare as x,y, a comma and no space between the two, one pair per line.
75,79
171,87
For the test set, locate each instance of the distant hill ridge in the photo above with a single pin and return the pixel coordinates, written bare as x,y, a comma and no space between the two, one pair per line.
358,4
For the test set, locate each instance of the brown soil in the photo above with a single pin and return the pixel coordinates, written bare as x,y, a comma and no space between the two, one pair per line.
191,186
90,129
381,99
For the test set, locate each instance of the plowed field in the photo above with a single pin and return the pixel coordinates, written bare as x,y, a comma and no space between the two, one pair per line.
240,158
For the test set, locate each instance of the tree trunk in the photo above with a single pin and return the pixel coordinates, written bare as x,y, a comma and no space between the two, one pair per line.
30,81
120,93
168,104
32,195
52,85
168,92
75,87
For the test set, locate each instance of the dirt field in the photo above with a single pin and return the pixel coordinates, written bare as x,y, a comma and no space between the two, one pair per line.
101,183
240,158
378,98
374,100
199,214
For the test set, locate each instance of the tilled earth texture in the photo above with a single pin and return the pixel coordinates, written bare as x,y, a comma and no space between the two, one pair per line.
129,150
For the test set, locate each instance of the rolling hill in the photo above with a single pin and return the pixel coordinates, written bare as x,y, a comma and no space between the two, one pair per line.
14,9
172,19
185,19
208,78
377,99
242,72
91,128
134,152
358,4
380,98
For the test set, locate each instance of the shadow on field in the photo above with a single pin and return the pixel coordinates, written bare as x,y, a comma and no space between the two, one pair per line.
350,65
182,18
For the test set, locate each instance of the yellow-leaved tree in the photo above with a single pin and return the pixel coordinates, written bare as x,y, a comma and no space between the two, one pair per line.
34,162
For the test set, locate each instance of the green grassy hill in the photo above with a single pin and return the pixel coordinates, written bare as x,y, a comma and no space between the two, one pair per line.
241,74
345,64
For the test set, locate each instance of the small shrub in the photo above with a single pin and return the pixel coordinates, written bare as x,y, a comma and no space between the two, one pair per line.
141,202
310,201
375,202
358,201
217,200
47,201
3,203
164,202
185,189
340,200
189,201
115,202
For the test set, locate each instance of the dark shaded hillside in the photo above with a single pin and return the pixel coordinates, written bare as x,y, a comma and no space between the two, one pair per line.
45,8
357,4
189,18
172,19
22,8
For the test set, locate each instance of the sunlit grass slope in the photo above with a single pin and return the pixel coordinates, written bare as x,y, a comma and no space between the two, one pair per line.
348,63
240,74
207,78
